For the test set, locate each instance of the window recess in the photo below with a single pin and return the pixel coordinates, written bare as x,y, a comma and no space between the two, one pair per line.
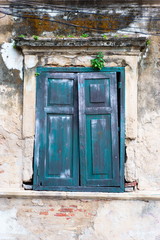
79,143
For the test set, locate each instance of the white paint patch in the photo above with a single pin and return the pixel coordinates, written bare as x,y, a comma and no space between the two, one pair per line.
137,26
51,13
12,58
65,174
37,142
9,225
30,61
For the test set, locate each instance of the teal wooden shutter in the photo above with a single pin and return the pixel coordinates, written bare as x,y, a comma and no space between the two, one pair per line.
77,136
98,129
56,153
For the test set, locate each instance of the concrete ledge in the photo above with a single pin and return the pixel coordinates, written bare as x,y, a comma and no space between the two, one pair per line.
138,42
141,196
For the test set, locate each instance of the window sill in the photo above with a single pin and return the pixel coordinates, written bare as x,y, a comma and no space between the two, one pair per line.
138,195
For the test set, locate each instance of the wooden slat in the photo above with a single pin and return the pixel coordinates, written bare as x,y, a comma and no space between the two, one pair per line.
62,110
98,110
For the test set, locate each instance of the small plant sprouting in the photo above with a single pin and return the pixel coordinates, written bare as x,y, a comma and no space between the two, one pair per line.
70,36
148,42
84,35
37,74
21,36
35,37
60,36
98,61
105,36
125,36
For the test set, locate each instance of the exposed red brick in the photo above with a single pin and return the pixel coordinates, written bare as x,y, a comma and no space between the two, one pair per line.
51,209
91,214
71,214
80,210
43,213
131,184
66,210
61,215
74,206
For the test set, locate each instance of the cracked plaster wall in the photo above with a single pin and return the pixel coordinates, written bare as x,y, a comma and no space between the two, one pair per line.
16,139
11,87
148,152
79,220
70,219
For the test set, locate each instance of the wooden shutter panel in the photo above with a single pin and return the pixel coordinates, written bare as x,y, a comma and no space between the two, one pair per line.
56,130
98,129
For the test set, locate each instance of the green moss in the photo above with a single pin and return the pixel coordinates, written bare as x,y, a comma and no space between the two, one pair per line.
60,36
148,42
70,36
84,35
105,36
35,37
21,36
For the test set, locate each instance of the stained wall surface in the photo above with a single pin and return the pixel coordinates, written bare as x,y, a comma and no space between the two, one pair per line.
142,141
47,219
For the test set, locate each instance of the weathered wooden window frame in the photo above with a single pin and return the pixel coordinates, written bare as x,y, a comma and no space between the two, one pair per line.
121,105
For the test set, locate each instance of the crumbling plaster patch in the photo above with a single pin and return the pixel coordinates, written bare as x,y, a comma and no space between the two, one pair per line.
148,141
12,58
130,164
28,159
10,160
9,227
6,23
118,223
30,61
10,137
10,123
148,153
79,219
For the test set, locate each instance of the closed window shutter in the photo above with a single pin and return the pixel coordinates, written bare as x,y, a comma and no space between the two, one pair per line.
77,139
98,129
56,135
